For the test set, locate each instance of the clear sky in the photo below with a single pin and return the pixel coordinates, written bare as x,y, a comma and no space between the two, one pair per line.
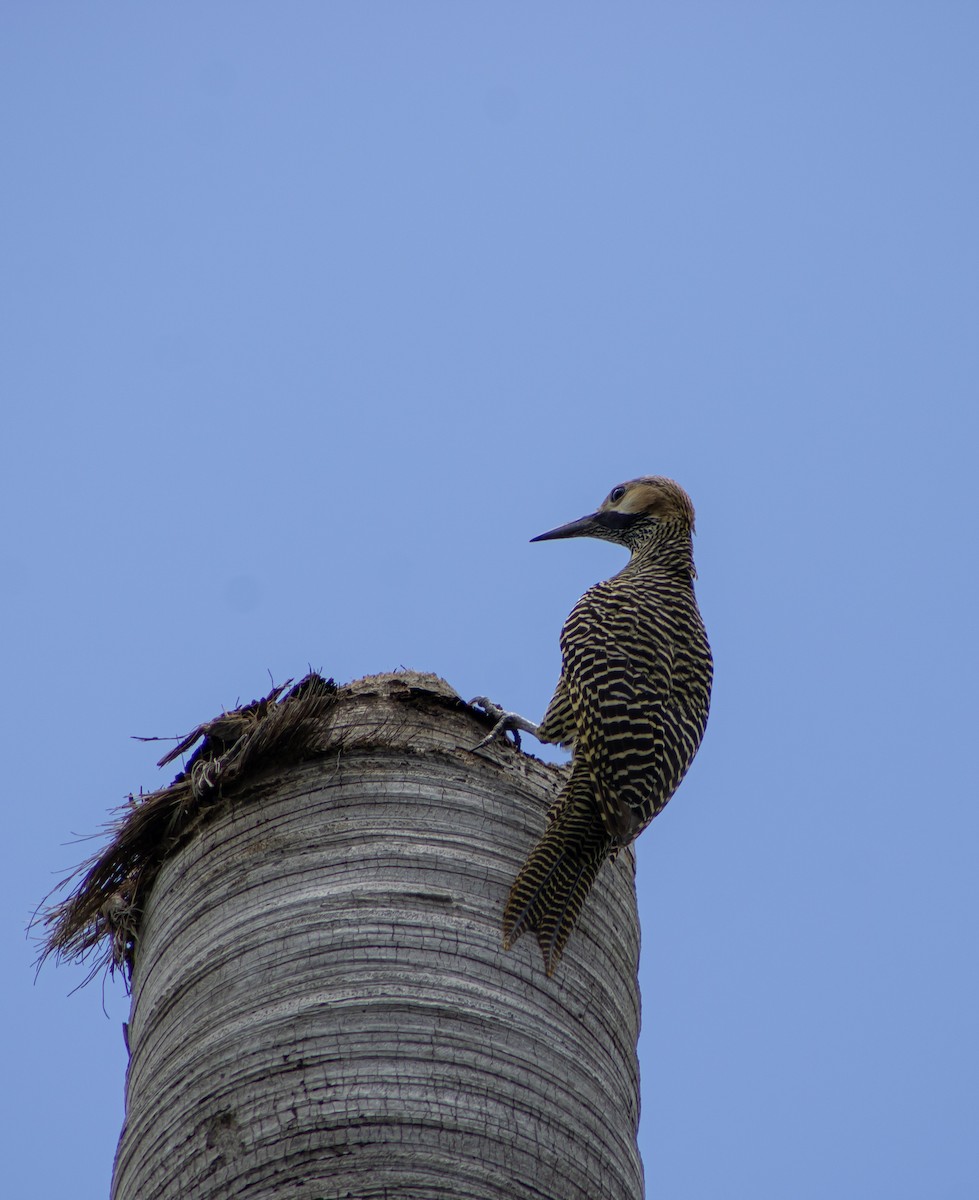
314,313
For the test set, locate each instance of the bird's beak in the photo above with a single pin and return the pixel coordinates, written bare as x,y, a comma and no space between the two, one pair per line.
596,524
585,527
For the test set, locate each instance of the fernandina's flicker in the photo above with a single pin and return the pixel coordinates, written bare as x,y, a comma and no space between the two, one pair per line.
632,701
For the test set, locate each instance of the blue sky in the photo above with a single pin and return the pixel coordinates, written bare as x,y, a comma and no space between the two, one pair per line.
315,313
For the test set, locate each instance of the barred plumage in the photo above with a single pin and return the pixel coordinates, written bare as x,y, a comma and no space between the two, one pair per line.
632,700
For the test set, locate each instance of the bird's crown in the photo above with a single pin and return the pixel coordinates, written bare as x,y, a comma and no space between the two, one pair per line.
650,496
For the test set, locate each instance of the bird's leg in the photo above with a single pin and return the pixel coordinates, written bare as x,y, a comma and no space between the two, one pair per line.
506,722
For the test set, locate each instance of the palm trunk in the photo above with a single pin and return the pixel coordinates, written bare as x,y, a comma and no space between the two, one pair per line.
322,1007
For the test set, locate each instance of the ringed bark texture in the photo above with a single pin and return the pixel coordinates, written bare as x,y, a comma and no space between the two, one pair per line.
322,1007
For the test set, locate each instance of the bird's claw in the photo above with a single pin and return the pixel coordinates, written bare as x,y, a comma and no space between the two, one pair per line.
506,722
502,718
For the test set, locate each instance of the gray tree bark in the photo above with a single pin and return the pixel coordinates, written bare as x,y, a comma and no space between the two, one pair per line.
322,1007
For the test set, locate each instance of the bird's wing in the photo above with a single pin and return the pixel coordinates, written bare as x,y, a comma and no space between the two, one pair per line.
558,724
619,677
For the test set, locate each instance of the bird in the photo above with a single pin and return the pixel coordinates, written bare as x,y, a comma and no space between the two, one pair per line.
631,703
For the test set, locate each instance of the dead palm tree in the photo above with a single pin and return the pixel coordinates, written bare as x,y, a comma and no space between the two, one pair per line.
322,1007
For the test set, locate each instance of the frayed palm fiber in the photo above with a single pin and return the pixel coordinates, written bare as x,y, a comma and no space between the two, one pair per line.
100,919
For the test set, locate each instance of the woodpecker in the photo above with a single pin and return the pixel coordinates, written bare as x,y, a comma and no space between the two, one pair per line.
632,703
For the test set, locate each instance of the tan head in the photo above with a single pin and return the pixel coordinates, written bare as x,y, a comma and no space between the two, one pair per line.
651,496
632,511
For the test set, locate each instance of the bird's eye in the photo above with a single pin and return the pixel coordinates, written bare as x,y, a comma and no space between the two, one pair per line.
616,494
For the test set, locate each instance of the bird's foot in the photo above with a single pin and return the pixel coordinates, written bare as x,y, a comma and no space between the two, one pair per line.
506,722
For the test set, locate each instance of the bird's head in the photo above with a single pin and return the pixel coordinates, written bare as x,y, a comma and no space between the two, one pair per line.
632,512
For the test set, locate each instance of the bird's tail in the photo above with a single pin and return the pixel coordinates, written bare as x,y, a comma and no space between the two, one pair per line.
551,886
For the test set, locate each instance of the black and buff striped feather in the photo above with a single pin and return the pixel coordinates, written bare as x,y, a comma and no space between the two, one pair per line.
633,700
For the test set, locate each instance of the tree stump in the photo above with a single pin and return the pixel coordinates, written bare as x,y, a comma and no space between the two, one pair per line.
322,1007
